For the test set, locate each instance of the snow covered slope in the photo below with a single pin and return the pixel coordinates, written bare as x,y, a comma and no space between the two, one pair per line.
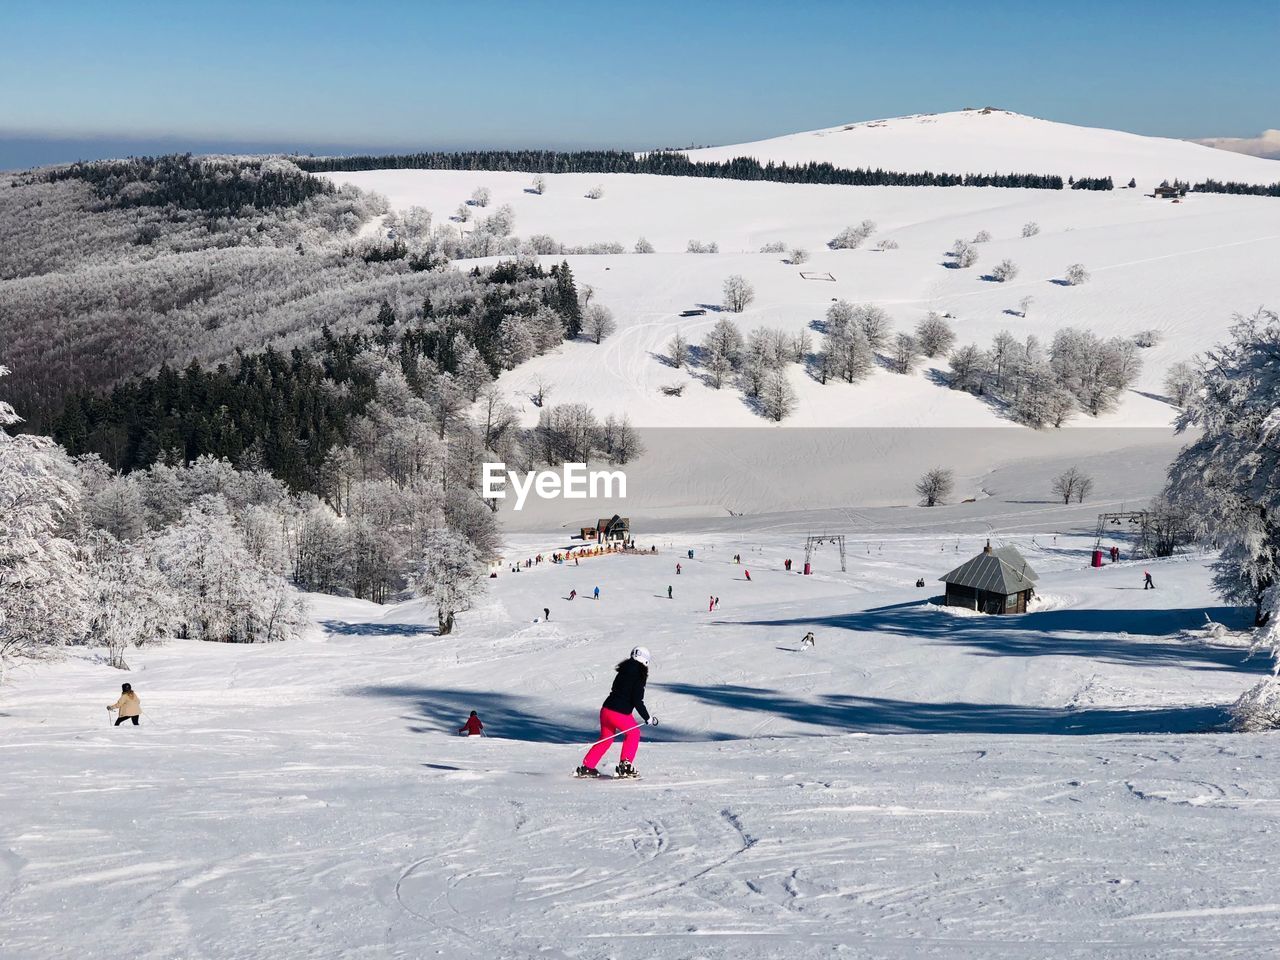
922,784
989,141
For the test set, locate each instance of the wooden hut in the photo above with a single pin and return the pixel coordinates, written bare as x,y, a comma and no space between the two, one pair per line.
613,529
995,581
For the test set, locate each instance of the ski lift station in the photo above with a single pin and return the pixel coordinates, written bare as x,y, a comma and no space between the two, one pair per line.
995,581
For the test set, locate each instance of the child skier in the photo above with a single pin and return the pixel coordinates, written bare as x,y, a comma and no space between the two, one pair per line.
597,593
473,727
807,641
616,717
129,705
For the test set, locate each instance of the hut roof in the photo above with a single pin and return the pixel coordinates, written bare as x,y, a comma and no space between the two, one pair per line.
999,570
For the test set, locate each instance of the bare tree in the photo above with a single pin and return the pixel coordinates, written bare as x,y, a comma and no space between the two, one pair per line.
644,246
1182,382
777,397
1030,229
798,255
541,390
801,346
738,293
935,486
1004,271
934,335
850,238
1025,304
1076,274
982,236
539,184
1072,484
874,323
678,350
963,254
904,353
598,322
595,193
480,197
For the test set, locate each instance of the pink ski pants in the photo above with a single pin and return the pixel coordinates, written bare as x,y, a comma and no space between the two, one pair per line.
610,723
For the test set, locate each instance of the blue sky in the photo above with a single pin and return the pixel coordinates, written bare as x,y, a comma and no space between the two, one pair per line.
382,74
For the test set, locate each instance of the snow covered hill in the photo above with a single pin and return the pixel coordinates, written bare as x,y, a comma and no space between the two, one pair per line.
1176,272
990,140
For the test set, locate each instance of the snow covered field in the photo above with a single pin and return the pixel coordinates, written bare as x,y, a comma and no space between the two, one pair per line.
921,784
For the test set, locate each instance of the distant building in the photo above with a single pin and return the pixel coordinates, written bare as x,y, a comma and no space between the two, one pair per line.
1166,192
995,581
615,528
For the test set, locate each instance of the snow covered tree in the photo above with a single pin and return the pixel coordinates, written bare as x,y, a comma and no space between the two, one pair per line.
448,577
777,397
473,372
774,246
850,238
114,504
1181,382
874,323
224,594
903,353
539,184
801,346
480,197
738,293
798,255
1072,484
967,369
643,246
1030,229
500,223
963,255
848,354
1025,304
1225,478
42,583
935,486
887,244
129,602
595,193
463,213
722,350
934,335
982,236
515,343
620,439
678,350
598,322
1076,274
1004,271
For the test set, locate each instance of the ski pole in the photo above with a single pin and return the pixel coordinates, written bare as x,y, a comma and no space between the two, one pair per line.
614,734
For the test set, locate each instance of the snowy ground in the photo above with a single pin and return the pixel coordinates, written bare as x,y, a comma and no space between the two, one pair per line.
921,784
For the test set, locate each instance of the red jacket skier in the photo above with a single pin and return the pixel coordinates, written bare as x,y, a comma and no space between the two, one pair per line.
473,727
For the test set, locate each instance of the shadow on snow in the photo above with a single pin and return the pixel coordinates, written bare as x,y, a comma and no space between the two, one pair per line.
844,713
512,716
1093,634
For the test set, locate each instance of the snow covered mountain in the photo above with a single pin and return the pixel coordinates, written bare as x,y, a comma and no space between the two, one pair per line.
989,140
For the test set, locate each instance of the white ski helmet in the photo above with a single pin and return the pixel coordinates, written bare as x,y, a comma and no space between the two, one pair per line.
641,654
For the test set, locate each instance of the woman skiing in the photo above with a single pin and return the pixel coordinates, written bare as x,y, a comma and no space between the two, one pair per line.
615,716
129,705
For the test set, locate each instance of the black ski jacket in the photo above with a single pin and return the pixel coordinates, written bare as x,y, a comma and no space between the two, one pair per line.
628,689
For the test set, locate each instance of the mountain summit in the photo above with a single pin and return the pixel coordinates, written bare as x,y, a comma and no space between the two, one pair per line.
988,140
